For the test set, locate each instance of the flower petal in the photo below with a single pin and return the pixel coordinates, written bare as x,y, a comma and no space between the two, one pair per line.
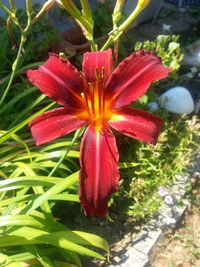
99,170
59,80
137,124
55,123
131,79
97,62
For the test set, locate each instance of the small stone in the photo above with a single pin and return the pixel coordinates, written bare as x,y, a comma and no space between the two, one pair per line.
117,259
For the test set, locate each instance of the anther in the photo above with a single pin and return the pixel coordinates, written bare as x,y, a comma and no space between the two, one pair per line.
103,72
96,73
91,86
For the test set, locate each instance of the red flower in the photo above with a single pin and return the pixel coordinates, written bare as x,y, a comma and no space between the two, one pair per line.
97,97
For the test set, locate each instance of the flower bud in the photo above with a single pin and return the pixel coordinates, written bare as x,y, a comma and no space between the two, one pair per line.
47,5
86,8
60,3
12,5
117,11
71,8
119,5
143,3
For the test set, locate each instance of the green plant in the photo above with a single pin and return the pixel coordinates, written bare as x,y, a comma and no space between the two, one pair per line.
28,194
155,166
168,48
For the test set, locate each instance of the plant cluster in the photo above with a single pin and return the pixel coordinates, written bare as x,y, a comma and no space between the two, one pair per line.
155,166
168,48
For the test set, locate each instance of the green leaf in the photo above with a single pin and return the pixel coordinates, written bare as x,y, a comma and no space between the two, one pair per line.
29,256
125,165
26,110
20,141
28,181
173,46
16,99
27,198
29,236
26,220
54,190
22,124
29,66
6,261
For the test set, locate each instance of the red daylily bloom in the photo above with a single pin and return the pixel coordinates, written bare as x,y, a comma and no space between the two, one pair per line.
97,97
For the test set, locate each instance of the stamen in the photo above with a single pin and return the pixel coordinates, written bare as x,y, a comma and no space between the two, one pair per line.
96,73
102,73
87,96
94,97
92,89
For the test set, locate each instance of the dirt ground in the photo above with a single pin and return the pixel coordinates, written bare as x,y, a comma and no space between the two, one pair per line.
181,248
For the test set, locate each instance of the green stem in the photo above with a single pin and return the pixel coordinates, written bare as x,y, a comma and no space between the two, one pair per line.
14,67
93,45
130,19
116,33
12,15
107,43
76,136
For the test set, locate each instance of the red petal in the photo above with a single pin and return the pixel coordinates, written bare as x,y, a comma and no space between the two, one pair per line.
99,170
137,124
54,123
131,79
94,62
59,80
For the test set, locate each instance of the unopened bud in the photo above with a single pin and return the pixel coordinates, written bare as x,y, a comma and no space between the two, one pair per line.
29,6
86,8
71,8
44,8
60,3
143,3
119,5
12,5
117,11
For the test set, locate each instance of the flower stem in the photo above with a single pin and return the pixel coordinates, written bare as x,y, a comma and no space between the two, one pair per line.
14,67
77,134
117,32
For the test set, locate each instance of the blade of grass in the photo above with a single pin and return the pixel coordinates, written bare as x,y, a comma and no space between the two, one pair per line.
22,124
27,198
26,110
78,133
16,99
30,236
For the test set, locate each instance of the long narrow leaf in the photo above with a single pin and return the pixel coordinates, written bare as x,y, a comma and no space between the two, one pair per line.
27,198
29,236
22,124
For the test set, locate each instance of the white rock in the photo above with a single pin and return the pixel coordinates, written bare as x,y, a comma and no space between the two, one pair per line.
177,100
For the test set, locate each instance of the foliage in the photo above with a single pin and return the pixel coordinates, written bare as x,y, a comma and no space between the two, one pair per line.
168,48
155,166
39,38
102,24
28,195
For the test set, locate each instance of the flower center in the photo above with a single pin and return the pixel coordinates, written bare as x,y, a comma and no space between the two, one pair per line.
93,96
